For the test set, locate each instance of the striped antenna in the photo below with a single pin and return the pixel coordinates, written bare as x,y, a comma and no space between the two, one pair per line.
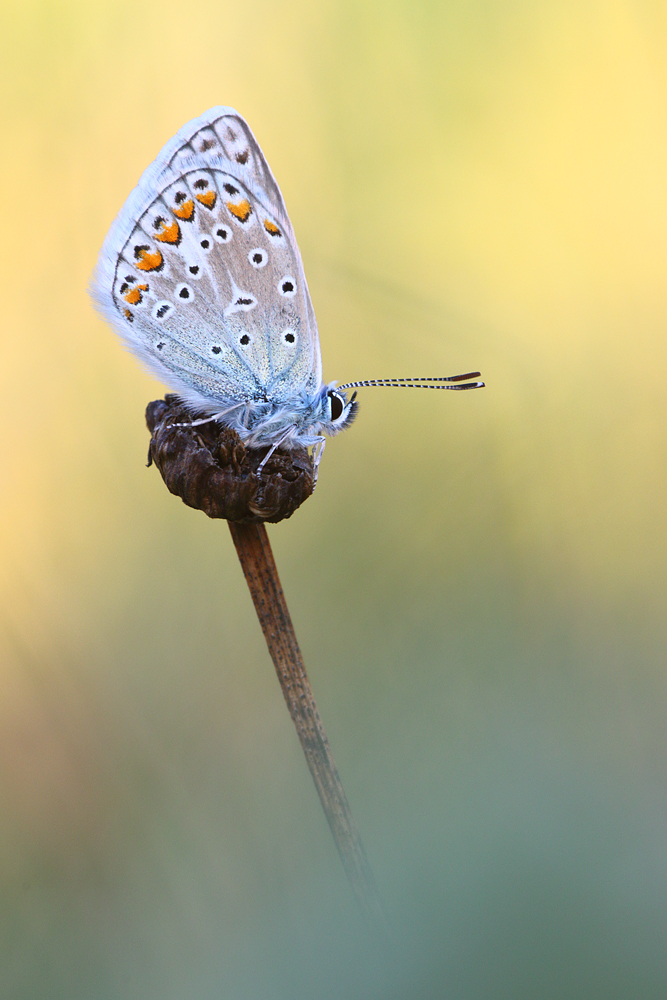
417,383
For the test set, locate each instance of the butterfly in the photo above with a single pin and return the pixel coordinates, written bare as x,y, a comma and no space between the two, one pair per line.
201,276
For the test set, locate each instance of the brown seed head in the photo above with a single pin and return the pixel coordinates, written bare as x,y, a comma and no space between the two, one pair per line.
210,468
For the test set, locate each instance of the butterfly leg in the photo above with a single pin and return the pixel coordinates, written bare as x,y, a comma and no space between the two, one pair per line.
272,449
207,420
318,451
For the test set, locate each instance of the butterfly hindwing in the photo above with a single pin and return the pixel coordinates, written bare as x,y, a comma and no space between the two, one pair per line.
201,274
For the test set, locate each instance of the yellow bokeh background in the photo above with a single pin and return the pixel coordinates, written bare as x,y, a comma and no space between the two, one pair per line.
479,581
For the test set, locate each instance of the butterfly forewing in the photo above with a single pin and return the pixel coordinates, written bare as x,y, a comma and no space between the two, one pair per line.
224,133
207,285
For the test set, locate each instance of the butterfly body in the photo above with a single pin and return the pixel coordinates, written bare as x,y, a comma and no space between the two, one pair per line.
202,278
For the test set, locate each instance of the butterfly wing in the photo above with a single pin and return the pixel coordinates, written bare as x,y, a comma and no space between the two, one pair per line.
201,275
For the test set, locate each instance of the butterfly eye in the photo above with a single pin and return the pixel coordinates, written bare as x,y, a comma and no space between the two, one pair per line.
206,244
336,404
184,293
222,234
161,309
287,287
258,258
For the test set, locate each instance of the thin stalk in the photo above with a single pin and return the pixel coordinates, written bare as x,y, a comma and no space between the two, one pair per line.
254,551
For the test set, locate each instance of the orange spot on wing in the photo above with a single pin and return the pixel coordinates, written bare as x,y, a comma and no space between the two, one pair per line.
271,228
170,233
242,211
186,210
134,295
147,261
128,313
207,198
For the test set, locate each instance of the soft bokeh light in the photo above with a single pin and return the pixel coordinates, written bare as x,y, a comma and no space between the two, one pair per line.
479,582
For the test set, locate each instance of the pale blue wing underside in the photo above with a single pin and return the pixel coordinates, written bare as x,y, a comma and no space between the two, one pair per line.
201,276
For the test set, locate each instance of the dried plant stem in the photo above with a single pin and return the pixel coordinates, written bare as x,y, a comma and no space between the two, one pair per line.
254,551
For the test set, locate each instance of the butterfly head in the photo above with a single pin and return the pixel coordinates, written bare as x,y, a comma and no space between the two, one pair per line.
337,413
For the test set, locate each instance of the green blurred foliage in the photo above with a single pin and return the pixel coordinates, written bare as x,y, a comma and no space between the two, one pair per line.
479,581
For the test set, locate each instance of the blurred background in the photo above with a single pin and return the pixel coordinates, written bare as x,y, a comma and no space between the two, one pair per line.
479,582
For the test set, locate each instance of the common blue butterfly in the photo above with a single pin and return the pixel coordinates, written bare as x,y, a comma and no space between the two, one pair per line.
201,276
